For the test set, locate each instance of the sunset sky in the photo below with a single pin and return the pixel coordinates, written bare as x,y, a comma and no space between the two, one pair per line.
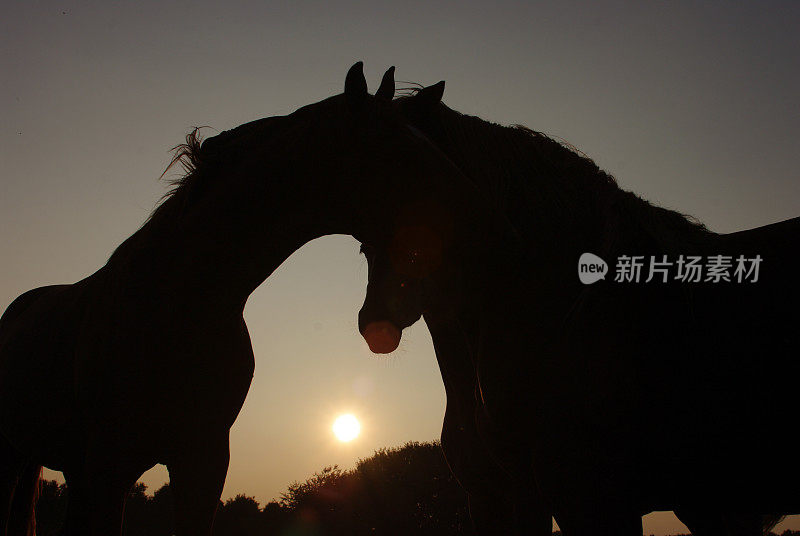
693,105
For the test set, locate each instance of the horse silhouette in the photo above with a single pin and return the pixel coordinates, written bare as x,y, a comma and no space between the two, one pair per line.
501,499
148,360
610,400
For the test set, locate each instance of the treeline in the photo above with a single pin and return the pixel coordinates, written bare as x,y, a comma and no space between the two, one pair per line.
406,490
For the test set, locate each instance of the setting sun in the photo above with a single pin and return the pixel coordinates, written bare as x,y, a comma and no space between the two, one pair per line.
346,427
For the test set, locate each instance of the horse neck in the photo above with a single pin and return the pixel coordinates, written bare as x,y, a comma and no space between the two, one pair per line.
558,204
550,197
543,223
217,251
533,230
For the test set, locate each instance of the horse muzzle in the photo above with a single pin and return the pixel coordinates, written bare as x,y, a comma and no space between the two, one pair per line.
382,336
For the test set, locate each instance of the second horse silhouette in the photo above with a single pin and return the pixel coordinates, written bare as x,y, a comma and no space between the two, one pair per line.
612,400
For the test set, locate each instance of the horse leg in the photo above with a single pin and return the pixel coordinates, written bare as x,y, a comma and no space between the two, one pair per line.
11,465
510,514
490,514
22,521
197,475
742,524
469,463
704,523
97,493
532,516
8,481
601,523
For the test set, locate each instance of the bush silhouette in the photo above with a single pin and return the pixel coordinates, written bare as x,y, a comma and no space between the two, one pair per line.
406,490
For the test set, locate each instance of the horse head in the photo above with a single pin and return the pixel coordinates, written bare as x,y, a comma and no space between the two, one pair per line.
400,266
349,164
353,151
431,244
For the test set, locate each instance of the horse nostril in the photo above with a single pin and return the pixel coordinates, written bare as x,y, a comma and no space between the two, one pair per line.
382,337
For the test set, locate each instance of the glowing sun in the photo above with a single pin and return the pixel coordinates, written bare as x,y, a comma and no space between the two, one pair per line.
346,427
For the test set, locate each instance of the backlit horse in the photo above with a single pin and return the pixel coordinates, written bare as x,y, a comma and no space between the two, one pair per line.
617,398
502,500
148,360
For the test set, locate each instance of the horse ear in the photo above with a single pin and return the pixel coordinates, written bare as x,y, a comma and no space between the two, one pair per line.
386,91
428,97
355,85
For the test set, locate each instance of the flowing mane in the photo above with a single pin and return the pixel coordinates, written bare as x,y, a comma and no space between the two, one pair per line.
200,159
538,181
188,156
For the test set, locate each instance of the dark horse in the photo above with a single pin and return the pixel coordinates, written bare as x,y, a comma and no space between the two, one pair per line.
502,499
610,400
148,360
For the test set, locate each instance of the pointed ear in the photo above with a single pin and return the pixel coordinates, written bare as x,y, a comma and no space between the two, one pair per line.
355,86
428,97
386,91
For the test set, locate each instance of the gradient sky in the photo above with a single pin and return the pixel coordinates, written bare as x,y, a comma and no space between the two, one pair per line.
692,105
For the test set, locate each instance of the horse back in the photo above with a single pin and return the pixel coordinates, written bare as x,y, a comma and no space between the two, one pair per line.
758,314
778,235
732,376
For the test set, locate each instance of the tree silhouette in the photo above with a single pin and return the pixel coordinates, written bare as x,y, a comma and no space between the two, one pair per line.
239,516
406,490
160,512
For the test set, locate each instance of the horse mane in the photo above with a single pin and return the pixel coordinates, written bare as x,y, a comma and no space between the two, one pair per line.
540,183
194,162
188,156
202,161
